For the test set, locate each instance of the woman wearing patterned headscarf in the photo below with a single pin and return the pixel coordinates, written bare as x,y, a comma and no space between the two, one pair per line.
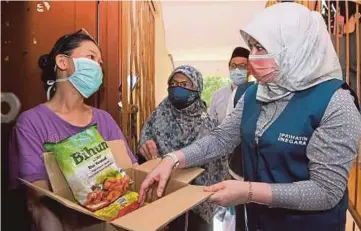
299,128
177,122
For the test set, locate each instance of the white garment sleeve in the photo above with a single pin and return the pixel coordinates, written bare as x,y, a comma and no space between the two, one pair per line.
230,104
213,106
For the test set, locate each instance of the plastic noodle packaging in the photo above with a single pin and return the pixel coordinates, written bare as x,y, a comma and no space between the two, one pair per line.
94,178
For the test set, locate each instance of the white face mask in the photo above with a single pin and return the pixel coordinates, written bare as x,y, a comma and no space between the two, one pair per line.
87,77
238,76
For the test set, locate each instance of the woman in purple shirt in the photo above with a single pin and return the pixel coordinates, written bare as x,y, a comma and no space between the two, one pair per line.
71,72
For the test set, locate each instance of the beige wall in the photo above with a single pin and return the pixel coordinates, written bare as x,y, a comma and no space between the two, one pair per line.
191,33
204,33
163,64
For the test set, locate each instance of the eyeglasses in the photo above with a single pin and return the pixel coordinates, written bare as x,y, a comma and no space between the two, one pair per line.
183,84
67,37
241,66
83,31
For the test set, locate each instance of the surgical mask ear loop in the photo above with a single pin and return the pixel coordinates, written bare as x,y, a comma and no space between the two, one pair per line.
51,84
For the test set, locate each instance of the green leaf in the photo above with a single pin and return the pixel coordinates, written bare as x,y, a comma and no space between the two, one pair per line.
211,85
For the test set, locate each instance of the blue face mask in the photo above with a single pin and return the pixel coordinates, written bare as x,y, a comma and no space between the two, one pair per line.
181,97
238,76
87,77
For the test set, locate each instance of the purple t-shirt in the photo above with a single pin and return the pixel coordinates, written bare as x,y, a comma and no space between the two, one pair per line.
40,125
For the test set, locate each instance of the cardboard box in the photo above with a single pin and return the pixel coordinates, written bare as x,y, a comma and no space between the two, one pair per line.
179,196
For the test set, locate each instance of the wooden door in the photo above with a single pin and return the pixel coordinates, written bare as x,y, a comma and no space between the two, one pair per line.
29,30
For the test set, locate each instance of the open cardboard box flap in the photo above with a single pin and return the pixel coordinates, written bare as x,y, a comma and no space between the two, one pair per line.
179,196
161,212
182,175
118,148
60,199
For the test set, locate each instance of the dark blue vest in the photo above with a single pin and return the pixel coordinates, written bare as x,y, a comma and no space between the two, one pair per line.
235,159
241,89
280,157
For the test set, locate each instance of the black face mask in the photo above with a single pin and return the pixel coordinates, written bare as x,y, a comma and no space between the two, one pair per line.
181,97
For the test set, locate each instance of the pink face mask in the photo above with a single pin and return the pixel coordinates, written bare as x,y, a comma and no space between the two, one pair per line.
263,67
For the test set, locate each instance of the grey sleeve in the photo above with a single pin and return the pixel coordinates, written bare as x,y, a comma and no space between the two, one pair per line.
222,140
331,151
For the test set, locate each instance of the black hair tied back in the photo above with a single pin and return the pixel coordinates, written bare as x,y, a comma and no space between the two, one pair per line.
43,61
65,45
47,65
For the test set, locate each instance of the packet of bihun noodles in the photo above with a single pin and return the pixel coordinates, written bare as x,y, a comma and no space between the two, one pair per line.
95,180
